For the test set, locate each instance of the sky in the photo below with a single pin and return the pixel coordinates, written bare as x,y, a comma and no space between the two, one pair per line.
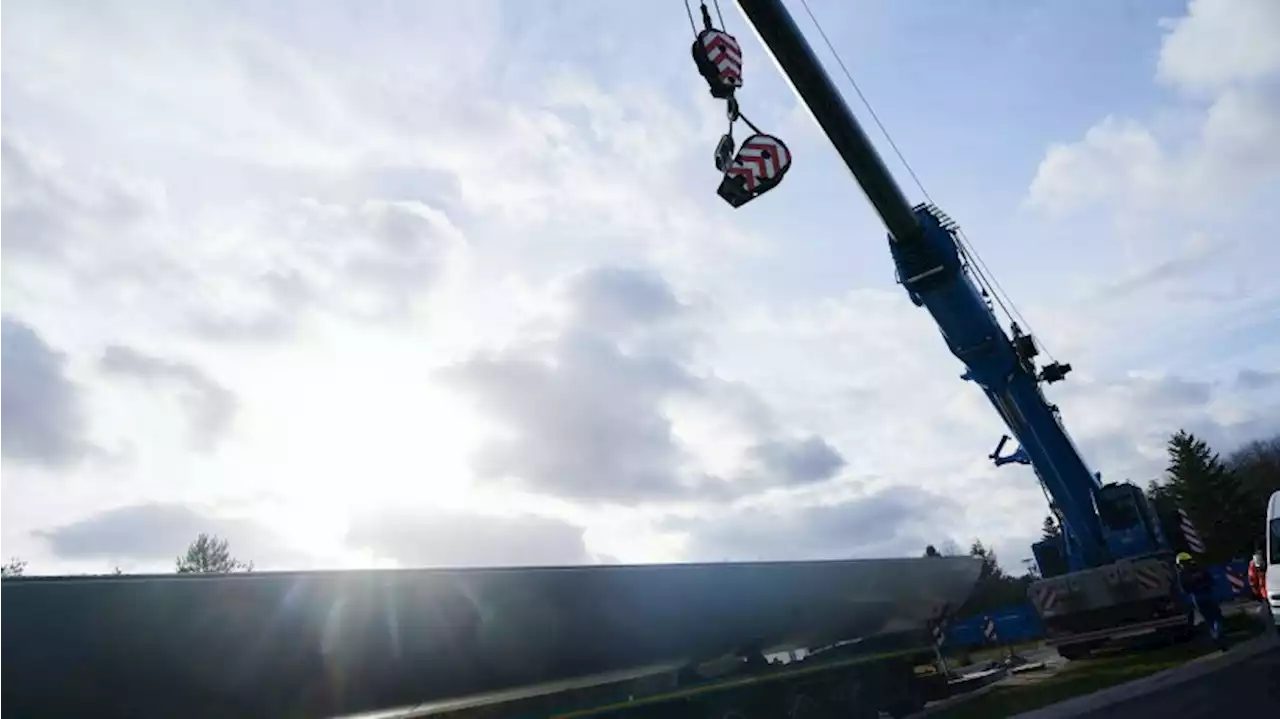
380,283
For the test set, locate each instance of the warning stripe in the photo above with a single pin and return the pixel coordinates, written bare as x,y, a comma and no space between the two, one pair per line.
724,52
939,625
1152,577
760,158
1046,598
989,629
1237,582
1189,532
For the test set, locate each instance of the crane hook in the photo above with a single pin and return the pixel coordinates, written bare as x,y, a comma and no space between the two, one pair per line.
719,59
758,167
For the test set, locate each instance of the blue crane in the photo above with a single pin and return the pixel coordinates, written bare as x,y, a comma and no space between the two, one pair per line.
1110,570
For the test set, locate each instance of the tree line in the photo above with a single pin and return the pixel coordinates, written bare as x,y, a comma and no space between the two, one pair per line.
206,554
1225,499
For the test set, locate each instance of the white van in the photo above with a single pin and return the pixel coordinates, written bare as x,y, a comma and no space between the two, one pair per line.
1273,555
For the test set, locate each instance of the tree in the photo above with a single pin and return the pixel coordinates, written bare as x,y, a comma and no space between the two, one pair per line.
13,568
1212,497
1049,528
209,554
994,588
990,567
1257,466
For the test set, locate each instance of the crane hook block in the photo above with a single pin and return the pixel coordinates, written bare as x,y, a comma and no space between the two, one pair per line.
719,60
724,152
757,168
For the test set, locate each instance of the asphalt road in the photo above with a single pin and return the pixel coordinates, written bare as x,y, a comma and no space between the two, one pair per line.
1248,689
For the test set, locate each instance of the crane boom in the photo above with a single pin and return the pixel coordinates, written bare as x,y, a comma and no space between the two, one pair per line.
932,271
779,34
1116,571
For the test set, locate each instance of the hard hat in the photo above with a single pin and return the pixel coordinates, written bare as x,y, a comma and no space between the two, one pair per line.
1183,557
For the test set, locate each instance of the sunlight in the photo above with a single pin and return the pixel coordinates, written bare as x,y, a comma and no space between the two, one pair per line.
357,429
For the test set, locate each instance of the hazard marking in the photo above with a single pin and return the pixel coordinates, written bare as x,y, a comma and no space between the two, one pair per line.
760,158
725,54
989,629
1236,581
1047,599
1152,578
1189,532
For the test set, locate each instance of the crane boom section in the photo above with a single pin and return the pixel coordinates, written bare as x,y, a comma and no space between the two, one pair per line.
935,277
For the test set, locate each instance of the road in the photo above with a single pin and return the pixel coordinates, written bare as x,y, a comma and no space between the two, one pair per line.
1250,688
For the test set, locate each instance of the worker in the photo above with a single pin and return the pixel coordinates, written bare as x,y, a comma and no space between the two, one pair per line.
1258,575
1198,584
1258,586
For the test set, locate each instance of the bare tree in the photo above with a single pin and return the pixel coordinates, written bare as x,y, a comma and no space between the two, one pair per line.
209,554
13,568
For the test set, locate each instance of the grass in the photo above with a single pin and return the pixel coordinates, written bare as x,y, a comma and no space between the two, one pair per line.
1085,677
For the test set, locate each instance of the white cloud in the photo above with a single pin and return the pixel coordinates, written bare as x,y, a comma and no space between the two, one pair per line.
43,411
153,535
897,521
1221,53
596,411
1218,44
443,539
210,406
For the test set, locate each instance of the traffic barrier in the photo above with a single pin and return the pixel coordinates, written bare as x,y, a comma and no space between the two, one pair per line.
1010,624
1231,580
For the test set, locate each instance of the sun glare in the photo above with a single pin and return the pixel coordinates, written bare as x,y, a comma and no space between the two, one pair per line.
358,430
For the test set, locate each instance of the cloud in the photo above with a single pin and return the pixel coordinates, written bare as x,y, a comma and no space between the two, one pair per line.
251,270
1195,56
1187,263
1253,379
798,461
594,412
44,210
1161,212
1123,424
440,538
878,383
897,521
210,406
43,417
1219,53
154,533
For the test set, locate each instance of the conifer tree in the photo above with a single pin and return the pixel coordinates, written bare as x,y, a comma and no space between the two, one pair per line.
1049,530
1211,495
